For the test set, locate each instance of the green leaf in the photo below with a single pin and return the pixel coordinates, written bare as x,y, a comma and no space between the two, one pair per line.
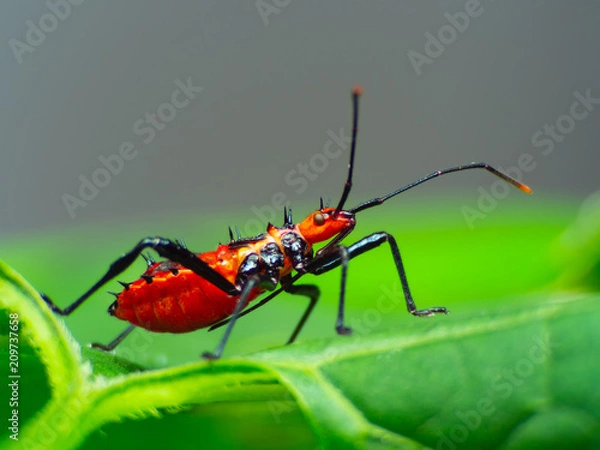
489,378
496,381
577,249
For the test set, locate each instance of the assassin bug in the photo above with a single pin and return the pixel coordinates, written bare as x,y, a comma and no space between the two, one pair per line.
188,291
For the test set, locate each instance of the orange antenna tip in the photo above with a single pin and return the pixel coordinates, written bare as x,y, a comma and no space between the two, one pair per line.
357,90
525,188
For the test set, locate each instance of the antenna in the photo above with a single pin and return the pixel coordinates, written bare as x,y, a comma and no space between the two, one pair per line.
356,92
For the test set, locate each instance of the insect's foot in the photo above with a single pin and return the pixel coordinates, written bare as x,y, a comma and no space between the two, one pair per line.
104,348
430,311
50,303
343,331
209,356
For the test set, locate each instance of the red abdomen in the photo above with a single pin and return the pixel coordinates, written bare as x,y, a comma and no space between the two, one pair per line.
176,300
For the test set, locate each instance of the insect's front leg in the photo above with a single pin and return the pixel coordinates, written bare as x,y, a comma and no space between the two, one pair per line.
332,259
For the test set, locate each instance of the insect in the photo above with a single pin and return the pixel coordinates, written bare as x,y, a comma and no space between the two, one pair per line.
187,291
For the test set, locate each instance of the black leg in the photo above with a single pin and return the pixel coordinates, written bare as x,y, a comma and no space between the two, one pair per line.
308,290
329,261
166,249
265,300
242,301
115,342
339,324
332,259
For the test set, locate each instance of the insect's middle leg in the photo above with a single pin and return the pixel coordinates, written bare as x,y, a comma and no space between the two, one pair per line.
333,259
241,304
308,290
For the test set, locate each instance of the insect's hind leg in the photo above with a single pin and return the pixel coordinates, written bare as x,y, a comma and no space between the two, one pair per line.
115,342
166,249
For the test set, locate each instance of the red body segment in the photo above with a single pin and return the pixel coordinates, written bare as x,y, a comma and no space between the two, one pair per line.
323,224
175,303
178,301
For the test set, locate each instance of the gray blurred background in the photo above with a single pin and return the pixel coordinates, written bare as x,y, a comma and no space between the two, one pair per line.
277,76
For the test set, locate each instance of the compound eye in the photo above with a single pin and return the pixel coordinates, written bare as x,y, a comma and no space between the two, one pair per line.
319,219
